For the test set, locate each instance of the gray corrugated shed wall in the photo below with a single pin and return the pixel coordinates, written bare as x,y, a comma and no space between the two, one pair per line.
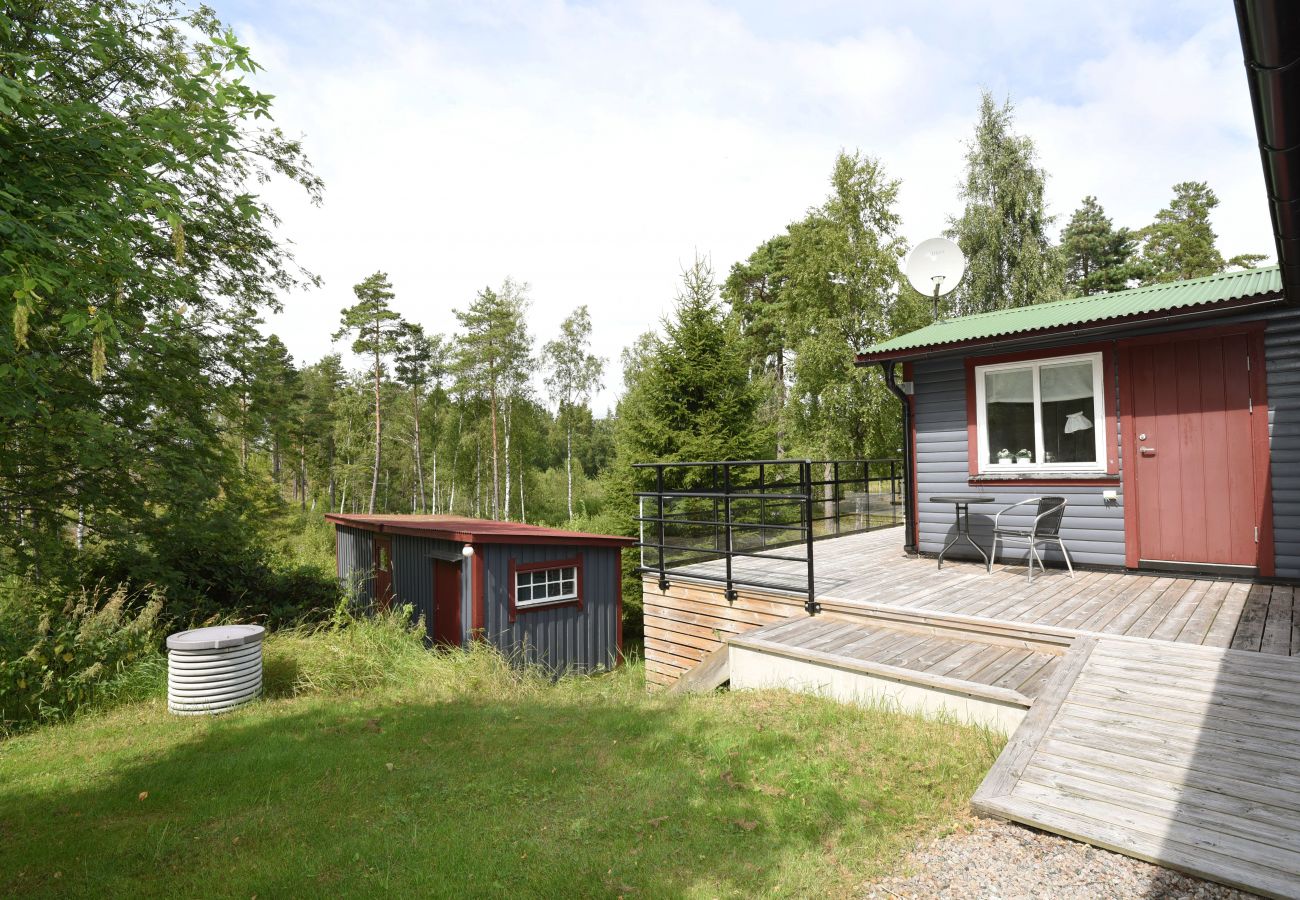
563,637
1095,532
355,549
413,575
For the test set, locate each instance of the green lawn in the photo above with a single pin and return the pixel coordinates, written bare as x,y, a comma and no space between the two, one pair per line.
465,783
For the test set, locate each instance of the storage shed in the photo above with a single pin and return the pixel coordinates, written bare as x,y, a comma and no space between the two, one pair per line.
544,595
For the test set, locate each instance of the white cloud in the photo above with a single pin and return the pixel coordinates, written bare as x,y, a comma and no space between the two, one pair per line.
591,150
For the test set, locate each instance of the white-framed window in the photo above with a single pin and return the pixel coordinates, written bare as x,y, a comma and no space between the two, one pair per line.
538,586
1041,415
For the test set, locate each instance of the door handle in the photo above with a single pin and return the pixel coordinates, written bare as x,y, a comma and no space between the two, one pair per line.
1148,451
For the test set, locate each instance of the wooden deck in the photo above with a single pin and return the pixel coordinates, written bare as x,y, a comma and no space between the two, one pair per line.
870,570
1181,755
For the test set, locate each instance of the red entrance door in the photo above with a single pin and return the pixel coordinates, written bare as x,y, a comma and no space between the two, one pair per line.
1195,450
383,572
446,602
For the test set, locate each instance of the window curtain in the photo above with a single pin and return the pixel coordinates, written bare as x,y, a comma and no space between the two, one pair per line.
1072,381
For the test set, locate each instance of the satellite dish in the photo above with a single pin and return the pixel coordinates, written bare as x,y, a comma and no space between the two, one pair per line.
935,268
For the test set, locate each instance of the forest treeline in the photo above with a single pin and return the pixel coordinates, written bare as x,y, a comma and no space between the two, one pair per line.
151,431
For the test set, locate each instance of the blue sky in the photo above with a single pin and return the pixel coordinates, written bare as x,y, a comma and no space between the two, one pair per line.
590,149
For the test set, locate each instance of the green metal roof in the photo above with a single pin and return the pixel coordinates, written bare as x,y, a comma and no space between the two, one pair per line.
1152,298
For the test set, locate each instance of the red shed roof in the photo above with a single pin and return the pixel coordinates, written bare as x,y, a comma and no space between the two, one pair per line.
480,531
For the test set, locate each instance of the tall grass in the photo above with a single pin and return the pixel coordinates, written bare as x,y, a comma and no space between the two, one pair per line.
59,655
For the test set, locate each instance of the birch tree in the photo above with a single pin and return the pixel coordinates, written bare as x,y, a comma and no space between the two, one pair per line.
573,375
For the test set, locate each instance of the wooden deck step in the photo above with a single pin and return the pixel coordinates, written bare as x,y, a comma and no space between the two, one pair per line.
929,670
1176,754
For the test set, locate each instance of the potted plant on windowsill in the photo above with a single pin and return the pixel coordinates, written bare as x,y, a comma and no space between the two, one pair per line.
1004,457
1023,457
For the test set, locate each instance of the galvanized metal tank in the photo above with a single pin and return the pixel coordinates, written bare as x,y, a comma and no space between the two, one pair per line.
211,670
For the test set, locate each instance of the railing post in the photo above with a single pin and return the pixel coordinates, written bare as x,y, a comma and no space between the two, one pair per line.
659,498
893,490
762,508
835,486
810,604
726,504
716,536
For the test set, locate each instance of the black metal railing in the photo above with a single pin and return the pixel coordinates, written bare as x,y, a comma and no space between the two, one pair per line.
758,518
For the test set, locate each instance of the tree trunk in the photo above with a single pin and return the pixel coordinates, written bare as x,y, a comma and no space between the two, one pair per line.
455,461
275,458
334,483
243,432
374,473
568,446
419,462
780,402
496,495
302,474
506,418
523,513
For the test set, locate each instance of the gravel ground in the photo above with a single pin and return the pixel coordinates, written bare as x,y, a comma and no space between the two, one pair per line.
1010,862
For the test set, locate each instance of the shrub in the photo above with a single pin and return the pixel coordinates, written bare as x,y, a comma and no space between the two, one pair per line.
58,654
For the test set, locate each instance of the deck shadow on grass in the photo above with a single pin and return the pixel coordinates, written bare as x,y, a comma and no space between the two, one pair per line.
451,799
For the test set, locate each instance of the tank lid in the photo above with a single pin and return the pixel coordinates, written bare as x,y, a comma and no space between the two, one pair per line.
216,638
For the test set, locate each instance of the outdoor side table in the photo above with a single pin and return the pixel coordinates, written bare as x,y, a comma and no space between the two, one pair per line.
962,502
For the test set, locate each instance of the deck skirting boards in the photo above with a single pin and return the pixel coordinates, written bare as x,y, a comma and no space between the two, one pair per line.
755,669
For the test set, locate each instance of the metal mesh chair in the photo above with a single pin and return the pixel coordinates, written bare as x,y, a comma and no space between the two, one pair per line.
1046,528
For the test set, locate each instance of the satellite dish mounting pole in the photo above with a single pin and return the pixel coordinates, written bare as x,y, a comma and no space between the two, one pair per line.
938,282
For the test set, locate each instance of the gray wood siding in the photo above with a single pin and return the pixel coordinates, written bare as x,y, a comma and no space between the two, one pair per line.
355,553
562,638
1282,349
1093,530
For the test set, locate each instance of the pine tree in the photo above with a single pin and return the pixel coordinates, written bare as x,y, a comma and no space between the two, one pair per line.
1098,257
573,376
378,330
1181,242
1003,231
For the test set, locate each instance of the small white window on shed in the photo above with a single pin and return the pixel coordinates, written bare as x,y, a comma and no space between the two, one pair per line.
546,585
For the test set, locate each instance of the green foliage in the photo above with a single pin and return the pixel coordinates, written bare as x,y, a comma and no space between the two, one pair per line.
1181,242
1010,261
57,654
843,294
131,242
1098,257
218,562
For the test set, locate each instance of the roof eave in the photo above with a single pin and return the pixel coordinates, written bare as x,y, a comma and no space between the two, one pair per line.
1191,313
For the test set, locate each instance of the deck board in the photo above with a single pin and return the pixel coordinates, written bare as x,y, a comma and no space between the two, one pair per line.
1174,753
871,568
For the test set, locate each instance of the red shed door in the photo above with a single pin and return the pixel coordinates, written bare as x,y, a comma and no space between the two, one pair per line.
383,572
1196,480
446,602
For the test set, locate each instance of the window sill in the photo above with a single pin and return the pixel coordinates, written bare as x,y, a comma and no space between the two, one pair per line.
1044,478
548,604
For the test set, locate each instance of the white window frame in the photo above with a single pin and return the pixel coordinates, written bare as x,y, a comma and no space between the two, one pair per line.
546,601
1038,467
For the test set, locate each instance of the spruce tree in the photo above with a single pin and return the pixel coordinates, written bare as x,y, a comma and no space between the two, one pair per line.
691,397
1003,230
1098,257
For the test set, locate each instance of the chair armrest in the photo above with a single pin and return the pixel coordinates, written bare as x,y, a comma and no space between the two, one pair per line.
1004,509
